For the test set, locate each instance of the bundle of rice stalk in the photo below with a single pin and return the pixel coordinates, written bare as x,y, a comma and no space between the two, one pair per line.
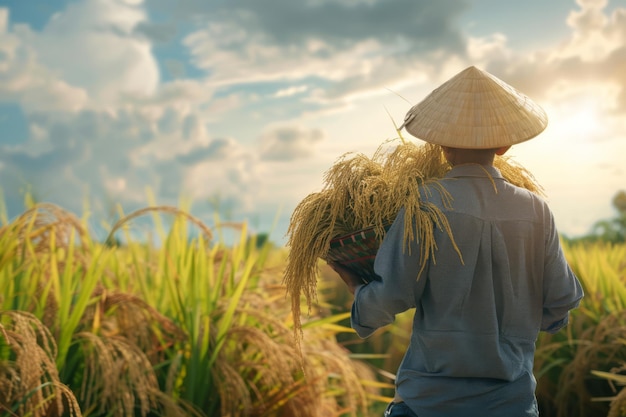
347,220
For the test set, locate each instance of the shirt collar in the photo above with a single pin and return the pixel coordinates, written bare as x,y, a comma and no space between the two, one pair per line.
474,170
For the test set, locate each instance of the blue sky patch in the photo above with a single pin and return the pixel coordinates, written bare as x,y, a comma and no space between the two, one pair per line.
13,124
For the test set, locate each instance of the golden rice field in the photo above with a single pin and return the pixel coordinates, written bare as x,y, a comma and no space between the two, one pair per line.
195,327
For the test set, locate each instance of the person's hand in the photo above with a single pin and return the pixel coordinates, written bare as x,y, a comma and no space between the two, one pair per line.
351,279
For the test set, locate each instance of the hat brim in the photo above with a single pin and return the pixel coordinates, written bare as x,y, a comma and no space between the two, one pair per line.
476,110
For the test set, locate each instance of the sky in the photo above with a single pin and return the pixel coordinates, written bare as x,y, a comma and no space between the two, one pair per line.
240,106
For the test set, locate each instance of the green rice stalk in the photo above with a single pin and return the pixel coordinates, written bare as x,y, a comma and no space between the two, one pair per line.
569,364
141,319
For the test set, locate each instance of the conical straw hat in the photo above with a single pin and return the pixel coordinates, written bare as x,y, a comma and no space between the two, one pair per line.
475,110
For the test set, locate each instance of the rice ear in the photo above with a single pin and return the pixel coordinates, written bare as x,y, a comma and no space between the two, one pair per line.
363,192
517,175
30,382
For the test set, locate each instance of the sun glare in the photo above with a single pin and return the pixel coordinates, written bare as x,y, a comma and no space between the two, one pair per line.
584,122
579,119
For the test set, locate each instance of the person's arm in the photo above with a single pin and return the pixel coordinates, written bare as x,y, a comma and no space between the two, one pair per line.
377,303
562,291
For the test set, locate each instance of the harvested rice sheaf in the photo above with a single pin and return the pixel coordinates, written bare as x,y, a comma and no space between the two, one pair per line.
361,192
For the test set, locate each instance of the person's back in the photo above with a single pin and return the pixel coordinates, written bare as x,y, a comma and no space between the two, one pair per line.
476,318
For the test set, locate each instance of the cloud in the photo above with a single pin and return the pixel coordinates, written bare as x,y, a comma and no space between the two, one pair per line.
101,118
157,33
589,18
4,20
354,45
234,178
343,23
291,91
119,154
92,45
99,121
217,149
288,143
340,22
85,56
25,80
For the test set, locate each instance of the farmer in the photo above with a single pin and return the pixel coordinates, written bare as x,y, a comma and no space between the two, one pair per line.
477,313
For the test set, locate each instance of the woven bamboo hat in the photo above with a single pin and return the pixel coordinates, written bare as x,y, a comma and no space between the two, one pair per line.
475,110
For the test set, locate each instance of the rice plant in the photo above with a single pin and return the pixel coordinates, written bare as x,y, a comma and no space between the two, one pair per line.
188,326
571,365
192,326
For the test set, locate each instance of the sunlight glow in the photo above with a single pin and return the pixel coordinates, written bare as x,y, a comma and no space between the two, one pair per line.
579,119
584,122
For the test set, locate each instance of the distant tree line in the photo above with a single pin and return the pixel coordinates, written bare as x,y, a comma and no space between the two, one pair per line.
610,230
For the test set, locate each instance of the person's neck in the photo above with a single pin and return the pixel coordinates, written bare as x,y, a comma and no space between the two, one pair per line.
471,163
464,158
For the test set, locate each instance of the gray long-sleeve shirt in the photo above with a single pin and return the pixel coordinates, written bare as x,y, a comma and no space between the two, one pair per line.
476,322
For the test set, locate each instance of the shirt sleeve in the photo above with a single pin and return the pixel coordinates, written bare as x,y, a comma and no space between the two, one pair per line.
562,291
377,303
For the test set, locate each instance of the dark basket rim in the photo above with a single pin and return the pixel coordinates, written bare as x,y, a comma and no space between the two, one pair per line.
358,235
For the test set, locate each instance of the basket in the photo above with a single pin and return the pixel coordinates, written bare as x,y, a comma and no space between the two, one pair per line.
357,252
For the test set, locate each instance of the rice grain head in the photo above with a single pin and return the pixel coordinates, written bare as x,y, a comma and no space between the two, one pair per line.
362,192
30,380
